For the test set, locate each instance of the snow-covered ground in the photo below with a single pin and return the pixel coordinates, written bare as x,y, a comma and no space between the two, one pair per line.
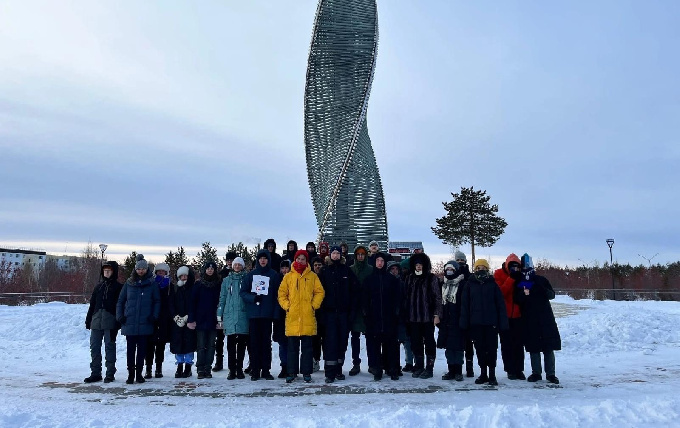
620,366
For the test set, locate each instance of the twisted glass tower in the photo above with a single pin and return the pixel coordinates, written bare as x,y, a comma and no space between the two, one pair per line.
343,175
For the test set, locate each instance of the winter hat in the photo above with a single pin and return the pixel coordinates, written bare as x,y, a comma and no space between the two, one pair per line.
482,262
238,260
459,255
404,265
451,264
184,270
285,263
139,257
360,248
141,264
208,264
231,255
373,243
336,248
161,266
392,263
303,253
270,241
527,263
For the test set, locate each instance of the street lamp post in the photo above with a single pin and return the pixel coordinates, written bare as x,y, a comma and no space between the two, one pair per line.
103,247
610,244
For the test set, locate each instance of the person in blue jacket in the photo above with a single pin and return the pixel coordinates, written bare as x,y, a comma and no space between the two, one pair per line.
233,318
137,310
259,290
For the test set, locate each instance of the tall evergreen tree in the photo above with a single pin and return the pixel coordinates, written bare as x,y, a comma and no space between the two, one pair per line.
176,259
470,219
206,253
129,263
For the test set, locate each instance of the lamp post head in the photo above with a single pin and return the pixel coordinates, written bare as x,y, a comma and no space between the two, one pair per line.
610,242
103,247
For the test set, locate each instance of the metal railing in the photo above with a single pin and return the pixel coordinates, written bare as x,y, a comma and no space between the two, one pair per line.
25,299
620,294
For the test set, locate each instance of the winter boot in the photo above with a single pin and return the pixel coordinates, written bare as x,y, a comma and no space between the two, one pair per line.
290,378
483,378
187,370
458,372
552,379
140,377
109,379
469,372
427,373
282,374
377,374
239,373
131,377
219,363
147,375
450,374
307,378
232,374
520,376
408,368
180,371
247,370
419,367
396,374
159,370
266,375
534,377
93,378
492,376
355,370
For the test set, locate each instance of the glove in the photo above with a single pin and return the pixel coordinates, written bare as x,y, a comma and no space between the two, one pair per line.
123,319
179,321
185,318
192,325
258,299
87,325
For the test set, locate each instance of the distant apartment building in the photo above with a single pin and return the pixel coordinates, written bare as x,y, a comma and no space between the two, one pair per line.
400,250
14,259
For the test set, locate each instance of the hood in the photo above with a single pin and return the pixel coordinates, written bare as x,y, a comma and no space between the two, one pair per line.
511,258
259,254
288,244
393,263
421,258
384,257
269,241
112,265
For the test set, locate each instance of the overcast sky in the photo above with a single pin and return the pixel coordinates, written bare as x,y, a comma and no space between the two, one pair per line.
150,125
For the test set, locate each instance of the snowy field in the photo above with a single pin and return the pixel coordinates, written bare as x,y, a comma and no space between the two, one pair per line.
620,366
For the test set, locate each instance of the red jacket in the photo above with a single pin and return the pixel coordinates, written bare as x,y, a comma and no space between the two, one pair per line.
507,286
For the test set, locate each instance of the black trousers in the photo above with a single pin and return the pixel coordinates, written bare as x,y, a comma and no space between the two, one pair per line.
317,343
260,345
154,348
236,350
422,339
205,350
136,350
219,345
300,363
512,348
386,352
336,326
485,338
356,347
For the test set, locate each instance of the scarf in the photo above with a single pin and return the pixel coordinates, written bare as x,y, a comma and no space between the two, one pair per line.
297,267
450,289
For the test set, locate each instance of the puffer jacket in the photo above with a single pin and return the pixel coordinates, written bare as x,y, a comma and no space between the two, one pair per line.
538,320
204,298
382,302
362,270
101,315
301,295
231,308
267,308
482,304
139,305
507,286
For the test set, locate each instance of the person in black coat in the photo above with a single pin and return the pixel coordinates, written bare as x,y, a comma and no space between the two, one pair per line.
138,308
533,293
339,306
205,297
394,268
101,321
161,335
461,259
259,291
381,304
451,337
483,314
183,339
270,245
291,249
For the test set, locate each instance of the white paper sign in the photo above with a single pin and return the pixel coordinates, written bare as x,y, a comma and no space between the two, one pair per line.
260,285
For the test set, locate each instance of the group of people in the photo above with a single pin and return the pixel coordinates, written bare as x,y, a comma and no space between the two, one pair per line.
315,305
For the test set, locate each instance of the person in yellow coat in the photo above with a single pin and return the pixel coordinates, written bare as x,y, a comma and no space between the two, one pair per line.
300,294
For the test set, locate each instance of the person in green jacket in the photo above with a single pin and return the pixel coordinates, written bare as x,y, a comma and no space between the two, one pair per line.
233,318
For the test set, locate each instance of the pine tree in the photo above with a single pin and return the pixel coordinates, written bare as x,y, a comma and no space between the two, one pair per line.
176,259
205,254
470,219
129,263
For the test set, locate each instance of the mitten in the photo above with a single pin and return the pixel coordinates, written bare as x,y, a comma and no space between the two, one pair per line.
258,299
185,318
192,325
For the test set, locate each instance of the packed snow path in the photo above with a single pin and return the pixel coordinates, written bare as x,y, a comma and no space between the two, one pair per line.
619,366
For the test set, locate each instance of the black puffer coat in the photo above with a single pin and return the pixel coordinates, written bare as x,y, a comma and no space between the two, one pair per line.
101,315
205,297
269,306
341,287
538,321
139,305
382,303
183,339
162,332
483,304
423,292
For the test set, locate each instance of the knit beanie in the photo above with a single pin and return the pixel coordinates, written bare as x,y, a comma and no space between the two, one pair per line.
240,261
373,243
459,255
482,262
161,266
184,270
336,248
304,253
527,263
141,264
